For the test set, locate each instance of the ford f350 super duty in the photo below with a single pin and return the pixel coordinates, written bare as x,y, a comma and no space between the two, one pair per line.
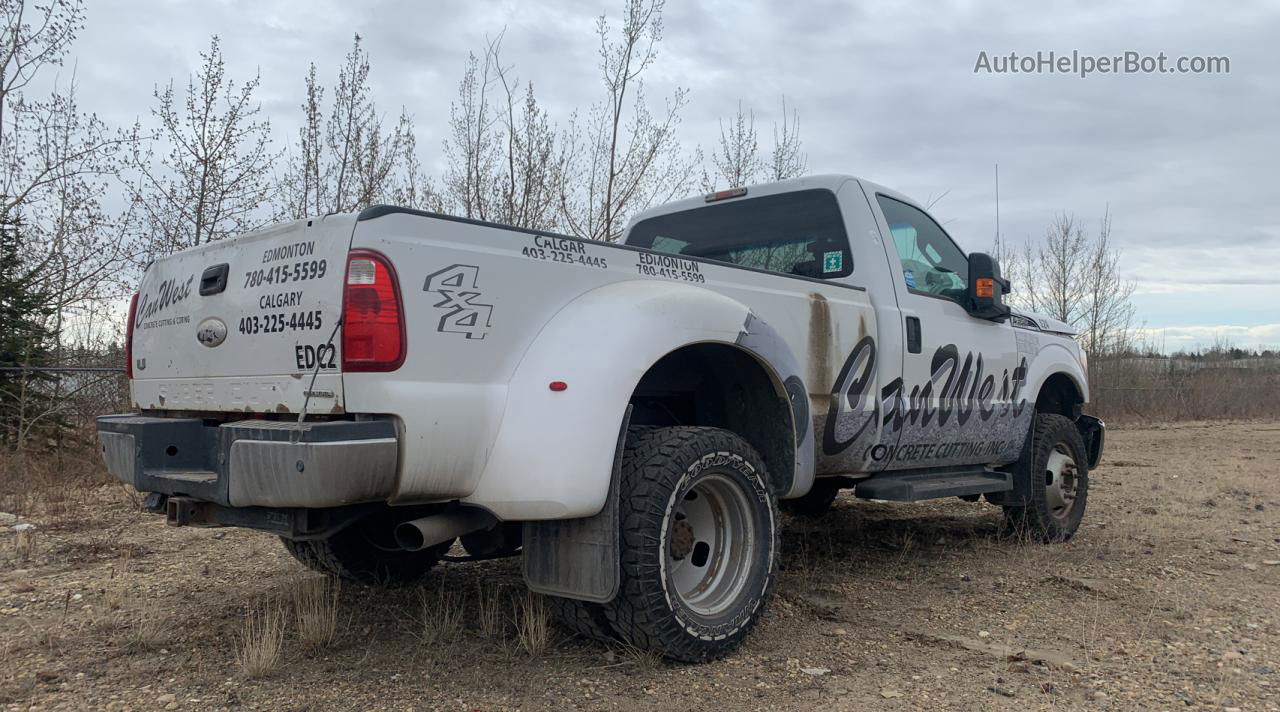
630,418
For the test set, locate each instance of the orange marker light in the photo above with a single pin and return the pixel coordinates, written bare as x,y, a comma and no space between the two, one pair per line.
985,287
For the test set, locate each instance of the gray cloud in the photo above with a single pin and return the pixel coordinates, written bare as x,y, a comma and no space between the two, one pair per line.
1187,164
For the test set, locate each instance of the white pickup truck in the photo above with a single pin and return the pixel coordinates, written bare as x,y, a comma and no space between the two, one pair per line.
629,417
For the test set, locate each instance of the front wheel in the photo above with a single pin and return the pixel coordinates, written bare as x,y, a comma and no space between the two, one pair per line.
699,542
1057,466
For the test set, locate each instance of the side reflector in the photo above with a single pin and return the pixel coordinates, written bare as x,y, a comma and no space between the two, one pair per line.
373,335
985,287
558,386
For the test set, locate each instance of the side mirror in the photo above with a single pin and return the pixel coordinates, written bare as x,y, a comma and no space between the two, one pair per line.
987,288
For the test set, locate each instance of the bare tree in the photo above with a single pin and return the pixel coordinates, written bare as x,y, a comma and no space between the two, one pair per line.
530,187
1075,277
413,188
472,148
1055,271
213,176
787,161
1107,322
737,160
301,191
348,159
501,148
57,164
623,158
32,39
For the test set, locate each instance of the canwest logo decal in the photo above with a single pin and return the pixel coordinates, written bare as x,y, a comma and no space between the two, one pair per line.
962,391
458,285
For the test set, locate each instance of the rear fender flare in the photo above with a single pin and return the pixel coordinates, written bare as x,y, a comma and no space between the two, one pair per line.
553,453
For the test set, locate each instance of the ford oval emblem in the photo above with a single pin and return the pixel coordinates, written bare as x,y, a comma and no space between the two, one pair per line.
211,332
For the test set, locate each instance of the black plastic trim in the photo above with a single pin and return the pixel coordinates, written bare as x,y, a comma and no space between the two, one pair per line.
214,279
1094,433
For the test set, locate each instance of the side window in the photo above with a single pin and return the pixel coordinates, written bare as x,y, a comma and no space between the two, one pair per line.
931,262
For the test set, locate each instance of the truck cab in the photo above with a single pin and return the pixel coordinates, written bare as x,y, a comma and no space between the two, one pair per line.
931,372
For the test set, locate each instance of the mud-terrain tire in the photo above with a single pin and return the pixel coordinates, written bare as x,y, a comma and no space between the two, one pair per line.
582,618
699,542
1057,464
815,502
352,554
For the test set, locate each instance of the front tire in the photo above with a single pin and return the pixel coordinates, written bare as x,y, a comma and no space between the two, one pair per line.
1057,465
357,553
699,542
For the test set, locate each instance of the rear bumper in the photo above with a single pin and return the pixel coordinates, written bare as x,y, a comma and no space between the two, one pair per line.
1094,433
253,463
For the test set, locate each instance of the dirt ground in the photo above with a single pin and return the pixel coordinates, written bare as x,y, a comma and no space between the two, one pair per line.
1169,597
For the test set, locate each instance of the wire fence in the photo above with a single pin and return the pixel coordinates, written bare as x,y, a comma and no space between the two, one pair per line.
55,406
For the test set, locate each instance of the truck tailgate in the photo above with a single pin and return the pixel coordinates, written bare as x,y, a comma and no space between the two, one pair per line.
243,324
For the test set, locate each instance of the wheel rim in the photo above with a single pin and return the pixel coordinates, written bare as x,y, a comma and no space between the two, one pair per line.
711,545
1060,481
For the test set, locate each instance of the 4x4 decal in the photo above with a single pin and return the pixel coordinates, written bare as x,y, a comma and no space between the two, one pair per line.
458,284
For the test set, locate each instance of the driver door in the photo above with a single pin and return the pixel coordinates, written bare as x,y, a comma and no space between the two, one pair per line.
957,400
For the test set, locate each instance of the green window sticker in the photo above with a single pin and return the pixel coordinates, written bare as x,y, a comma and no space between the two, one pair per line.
832,262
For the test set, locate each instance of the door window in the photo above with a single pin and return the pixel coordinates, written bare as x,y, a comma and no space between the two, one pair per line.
931,262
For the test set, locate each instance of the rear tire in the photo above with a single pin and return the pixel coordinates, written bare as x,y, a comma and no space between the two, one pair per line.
355,554
1057,464
582,618
815,502
699,542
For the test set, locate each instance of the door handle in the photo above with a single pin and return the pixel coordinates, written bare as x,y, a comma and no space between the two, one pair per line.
214,279
913,334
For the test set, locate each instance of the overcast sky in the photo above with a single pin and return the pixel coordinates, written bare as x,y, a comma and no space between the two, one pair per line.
1188,163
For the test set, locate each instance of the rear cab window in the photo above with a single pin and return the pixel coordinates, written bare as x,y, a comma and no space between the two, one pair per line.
798,233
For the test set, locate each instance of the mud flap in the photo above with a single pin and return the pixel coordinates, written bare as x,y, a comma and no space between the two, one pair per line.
578,558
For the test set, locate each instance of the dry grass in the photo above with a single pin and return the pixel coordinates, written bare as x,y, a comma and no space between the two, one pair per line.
533,625
315,607
140,632
261,640
24,546
441,614
489,610
1143,390
646,660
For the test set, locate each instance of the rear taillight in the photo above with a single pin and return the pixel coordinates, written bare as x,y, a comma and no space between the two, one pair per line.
128,336
372,314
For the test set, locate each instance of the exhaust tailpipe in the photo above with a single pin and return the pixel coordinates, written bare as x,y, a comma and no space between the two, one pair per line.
418,534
